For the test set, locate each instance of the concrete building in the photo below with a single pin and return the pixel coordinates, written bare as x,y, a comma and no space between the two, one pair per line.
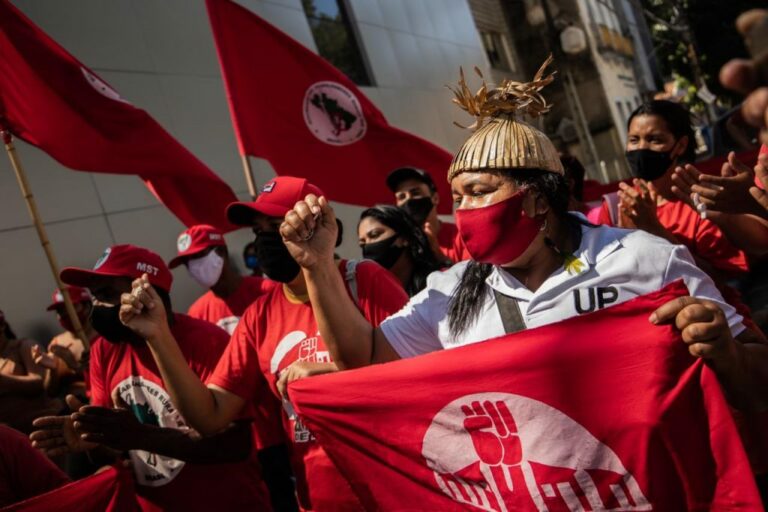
159,54
596,88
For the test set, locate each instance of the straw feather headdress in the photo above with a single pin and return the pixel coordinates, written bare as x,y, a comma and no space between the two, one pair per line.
501,139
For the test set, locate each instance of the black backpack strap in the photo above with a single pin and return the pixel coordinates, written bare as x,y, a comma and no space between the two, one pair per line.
509,309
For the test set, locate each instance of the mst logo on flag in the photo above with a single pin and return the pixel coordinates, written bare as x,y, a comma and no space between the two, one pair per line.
490,449
333,114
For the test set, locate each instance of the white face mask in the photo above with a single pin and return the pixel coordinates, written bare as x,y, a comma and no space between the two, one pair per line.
206,270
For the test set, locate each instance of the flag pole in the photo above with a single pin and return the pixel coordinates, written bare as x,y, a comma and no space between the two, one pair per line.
249,176
26,192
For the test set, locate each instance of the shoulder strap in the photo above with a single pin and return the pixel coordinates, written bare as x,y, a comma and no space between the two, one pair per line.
509,309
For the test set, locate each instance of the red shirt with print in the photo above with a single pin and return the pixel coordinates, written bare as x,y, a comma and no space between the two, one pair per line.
226,312
163,483
278,330
450,242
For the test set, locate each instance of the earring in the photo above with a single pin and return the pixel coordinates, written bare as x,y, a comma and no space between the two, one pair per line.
543,226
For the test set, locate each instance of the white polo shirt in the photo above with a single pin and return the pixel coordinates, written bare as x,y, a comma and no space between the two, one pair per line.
617,265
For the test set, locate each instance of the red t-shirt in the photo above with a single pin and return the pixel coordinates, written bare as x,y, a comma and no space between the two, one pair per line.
701,236
450,242
226,312
24,471
277,331
164,483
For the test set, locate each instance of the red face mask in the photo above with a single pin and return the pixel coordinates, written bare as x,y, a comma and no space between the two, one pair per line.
498,233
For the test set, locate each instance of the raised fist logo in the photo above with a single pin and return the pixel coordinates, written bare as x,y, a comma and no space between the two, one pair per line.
307,350
493,432
504,452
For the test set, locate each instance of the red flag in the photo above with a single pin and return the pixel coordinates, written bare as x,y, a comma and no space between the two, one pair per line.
51,100
600,412
307,118
108,491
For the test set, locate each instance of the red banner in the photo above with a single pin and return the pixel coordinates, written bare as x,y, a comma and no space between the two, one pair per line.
307,118
108,491
52,101
600,412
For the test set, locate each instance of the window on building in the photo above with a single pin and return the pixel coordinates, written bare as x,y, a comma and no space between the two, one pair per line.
335,37
493,42
630,108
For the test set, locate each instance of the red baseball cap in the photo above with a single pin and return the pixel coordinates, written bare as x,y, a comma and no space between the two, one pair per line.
195,240
277,197
76,295
123,261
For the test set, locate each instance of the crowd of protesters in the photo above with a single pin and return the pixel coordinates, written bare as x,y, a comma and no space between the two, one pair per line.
197,402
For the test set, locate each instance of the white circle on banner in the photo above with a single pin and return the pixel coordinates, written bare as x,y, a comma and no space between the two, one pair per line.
184,242
333,114
152,406
101,86
502,452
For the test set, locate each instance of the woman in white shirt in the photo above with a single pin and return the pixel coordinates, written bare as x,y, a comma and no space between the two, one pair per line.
534,263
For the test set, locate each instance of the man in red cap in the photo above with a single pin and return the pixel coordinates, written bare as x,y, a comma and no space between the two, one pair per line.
133,411
66,360
277,337
203,251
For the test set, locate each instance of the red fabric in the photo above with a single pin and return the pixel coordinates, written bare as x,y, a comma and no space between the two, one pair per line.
276,332
24,471
131,372
123,260
194,241
572,420
449,240
108,491
277,197
226,312
268,76
76,295
51,100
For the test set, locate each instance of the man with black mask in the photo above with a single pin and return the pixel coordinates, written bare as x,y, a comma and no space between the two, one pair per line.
415,192
277,337
132,410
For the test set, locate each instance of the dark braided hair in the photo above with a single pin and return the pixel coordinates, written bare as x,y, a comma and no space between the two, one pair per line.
677,118
468,297
424,261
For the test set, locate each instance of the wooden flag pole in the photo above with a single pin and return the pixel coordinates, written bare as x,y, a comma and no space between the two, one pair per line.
42,235
249,176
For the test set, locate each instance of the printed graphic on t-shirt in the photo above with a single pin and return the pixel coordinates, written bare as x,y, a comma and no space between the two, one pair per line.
228,323
152,406
296,346
492,450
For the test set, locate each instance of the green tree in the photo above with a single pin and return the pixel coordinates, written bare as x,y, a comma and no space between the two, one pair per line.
693,39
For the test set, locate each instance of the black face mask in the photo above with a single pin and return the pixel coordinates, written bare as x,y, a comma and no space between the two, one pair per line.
274,258
106,321
385,252
649,165
418,209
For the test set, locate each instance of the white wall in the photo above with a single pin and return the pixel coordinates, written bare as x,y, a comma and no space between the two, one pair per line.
159,55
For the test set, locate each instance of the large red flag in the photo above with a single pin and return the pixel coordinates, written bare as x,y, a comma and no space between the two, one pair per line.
108,491
600,412
51,100
307,118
